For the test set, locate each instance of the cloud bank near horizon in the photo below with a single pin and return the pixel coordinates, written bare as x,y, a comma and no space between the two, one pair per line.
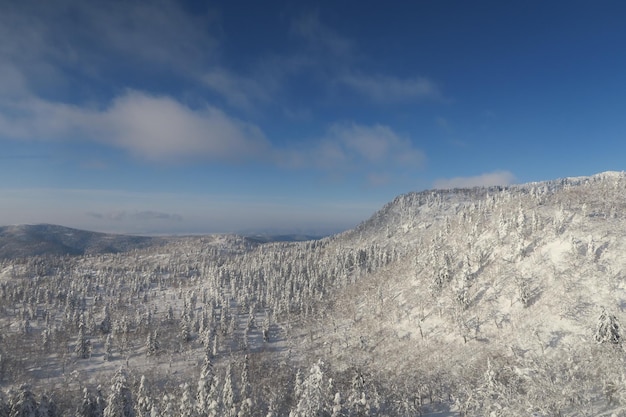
484,180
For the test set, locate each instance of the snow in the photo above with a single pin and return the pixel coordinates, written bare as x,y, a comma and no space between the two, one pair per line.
527,271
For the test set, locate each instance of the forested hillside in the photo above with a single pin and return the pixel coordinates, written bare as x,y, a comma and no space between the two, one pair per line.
47,239
487,301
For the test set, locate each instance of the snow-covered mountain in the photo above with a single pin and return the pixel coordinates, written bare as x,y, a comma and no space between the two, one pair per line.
487,301
507,278
45,239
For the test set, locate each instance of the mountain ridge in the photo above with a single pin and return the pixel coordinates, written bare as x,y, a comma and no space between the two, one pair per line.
48,239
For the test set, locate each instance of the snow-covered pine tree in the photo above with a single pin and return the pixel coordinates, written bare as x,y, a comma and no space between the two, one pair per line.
215,349
205,396
120,400
185,331
228,394
47,406
143,404
152,343
170,314
83,344
187,406
247,402
338,409
607,328
266,327
108,348
313,395
23,404
87,406
100,402
105,324
46,340
168,406
357,402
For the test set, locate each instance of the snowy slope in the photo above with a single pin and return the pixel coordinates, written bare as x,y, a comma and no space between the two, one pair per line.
517,275
46,239
476,301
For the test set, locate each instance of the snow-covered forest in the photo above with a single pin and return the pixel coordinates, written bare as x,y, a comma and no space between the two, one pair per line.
489,301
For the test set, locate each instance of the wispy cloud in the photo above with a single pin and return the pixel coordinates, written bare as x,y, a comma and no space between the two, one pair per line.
241,92
483,180
378,179
322,39
376,144
385,88
373,151
42,39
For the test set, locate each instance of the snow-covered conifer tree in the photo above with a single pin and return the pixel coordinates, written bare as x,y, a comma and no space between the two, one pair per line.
143,404
152,343
185,331
247,402
607,328
313,394
187,407
358,402
108,348
87,406
207,400
228,394
45,340
83,344
105,324
100,402
120,400
23,404
337,409
47,406
167,406
266,327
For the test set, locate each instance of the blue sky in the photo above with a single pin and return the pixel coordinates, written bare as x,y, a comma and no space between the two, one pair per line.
194,117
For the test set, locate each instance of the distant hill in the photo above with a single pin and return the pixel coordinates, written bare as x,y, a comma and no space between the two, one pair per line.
267,238
46,239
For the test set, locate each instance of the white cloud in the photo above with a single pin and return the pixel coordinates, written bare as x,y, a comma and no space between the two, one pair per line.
483,180
374,151
382,88
377,144
153,127
162,128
